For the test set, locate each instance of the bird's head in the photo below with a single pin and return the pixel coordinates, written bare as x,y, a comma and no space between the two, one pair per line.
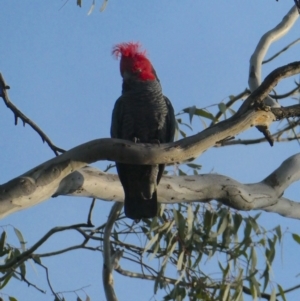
134,62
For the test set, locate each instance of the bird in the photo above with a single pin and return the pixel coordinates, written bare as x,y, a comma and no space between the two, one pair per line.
141,114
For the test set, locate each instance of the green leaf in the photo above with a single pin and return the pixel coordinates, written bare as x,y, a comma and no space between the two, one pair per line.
198,259
253,291
103,6
6,279
192,112
16,252
115,235
209,220
222,107
156,248
253,258
221,267
179,121
278,232
266,276
2,240
223,223
226,237
79,3
180,261
194,166
247,230
232,112
270,254
180,223
181,173
254,224
91,8
182,133
23,269
226,292
203,122
169,253
21,239
198,112
10,298
151,242
273,295
190,222
281,292
237,220
296,237
254,287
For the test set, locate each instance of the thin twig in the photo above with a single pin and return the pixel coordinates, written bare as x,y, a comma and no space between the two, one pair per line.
75,291
266,296
48,280
28,253
29,283
257,97
232,101
24,118
281,51
150,277
290,289
288,94
89,221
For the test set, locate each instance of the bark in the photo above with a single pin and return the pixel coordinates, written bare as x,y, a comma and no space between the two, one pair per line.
45,180
67,174
281,29
108,264
264,195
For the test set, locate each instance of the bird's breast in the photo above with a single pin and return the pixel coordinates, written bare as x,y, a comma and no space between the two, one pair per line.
144,116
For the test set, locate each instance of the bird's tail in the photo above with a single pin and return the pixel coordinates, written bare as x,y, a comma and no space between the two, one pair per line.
137,207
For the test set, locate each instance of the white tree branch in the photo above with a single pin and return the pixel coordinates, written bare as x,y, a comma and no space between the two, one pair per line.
262,47
45,180
265,195
107,271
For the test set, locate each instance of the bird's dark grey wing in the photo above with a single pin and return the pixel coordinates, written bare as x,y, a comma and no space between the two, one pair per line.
116,119
170,132
170,121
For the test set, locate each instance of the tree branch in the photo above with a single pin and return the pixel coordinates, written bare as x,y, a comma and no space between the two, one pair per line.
294,91
261,93
262,47
107,270
47,179
281,51
243,94
264,195
29,283
151,277
15,261
18,114
48,280
286,112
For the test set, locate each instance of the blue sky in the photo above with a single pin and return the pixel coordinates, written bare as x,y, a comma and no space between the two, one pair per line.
58,63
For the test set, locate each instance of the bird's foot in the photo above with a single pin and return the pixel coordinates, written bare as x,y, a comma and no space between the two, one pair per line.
136,140
155,141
